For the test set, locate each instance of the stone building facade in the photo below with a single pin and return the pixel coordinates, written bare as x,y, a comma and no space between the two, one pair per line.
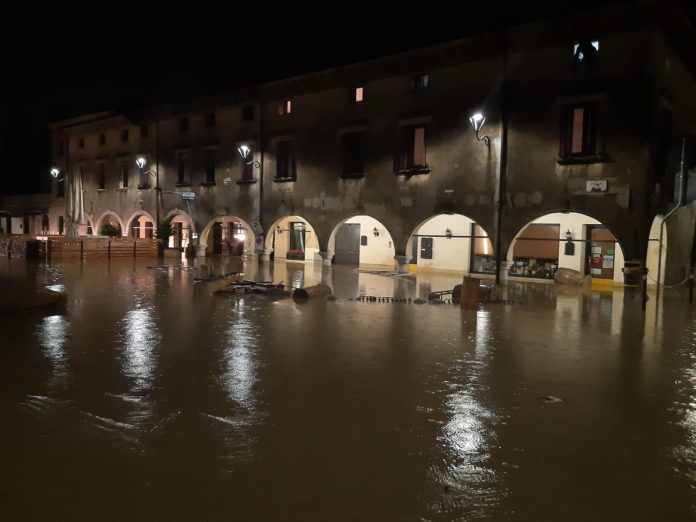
582,115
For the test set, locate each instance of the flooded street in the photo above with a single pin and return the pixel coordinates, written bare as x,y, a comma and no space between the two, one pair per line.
146,402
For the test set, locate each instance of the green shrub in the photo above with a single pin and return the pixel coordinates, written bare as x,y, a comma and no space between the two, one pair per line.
107,229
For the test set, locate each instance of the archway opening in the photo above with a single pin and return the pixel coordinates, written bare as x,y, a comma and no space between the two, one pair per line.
142,226
181,232
228,235
566,240
361,240
112,220
451,243
292,238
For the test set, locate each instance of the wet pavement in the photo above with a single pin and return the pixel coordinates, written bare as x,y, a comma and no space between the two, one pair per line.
146,402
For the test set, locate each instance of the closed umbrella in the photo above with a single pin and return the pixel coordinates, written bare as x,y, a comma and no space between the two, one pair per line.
74,202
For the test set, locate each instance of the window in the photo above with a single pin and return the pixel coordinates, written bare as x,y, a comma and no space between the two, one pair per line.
578,130
81,142
183,124
102,139
359,94
353,154
248,113
286,162
124,135
586,51
210,166
248,166
61,225
60,187
61,148
420,81
101,175
285,107
412,158
143,131
123,172
210,119
183,168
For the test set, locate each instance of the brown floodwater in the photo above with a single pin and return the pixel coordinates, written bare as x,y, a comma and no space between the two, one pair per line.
144,401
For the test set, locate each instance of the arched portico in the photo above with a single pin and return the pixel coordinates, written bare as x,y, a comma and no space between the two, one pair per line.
292,238
565,240
226,234
361,240
111,217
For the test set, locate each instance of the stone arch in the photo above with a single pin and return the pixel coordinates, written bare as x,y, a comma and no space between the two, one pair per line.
141,216
281,240
456,243
109,214
375,242
230,242
182,234
538,238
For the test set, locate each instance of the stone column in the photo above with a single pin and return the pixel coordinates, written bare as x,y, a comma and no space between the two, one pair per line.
265,257
402,261
325,259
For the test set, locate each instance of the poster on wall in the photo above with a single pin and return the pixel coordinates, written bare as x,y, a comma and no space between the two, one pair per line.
596,271
608,262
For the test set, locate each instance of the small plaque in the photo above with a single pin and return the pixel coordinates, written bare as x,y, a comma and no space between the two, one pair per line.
596,185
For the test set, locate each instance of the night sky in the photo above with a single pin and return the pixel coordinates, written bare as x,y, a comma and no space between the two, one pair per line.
107,56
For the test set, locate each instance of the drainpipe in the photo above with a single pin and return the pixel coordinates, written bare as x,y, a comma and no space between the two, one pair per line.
157,169
682,179
261,145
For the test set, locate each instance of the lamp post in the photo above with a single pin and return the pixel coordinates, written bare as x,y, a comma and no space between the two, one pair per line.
141,162
477,120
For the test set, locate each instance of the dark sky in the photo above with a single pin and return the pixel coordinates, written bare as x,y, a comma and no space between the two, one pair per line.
107,55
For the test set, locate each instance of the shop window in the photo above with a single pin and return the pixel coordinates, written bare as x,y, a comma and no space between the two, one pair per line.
284,107
297,241
535,253
482,256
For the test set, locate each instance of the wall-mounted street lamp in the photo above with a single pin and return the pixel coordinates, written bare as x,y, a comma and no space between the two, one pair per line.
55,173
244,152
448,233
141,162
375,231
278,229
477,120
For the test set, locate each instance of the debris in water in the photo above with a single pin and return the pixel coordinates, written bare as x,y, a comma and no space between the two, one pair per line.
550,399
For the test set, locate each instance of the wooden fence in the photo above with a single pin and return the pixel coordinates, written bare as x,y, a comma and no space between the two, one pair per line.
86,247
91,248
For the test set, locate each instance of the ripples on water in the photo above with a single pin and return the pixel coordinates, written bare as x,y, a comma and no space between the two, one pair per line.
145,402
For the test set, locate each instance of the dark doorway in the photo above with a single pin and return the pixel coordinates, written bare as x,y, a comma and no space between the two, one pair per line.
348,244
178,234
217,238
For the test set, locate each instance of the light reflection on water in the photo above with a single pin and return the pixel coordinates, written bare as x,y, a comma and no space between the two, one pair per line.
246,408
140,337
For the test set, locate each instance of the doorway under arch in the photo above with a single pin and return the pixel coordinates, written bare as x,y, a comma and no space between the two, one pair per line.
227,235
361,240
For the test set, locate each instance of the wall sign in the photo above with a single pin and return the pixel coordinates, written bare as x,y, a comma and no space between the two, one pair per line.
596,185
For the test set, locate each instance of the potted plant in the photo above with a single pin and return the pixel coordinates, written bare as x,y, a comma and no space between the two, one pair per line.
107,229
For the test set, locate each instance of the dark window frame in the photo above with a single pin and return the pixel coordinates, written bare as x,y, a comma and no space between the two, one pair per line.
101,175
286,162
210,120
184,123
405,161
353,154
210,165
102,139
590,131
124,134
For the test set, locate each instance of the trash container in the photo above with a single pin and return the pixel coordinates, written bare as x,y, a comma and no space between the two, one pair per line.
632,271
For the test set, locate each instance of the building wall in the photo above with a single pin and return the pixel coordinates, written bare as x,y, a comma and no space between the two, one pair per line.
448,254
529,86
